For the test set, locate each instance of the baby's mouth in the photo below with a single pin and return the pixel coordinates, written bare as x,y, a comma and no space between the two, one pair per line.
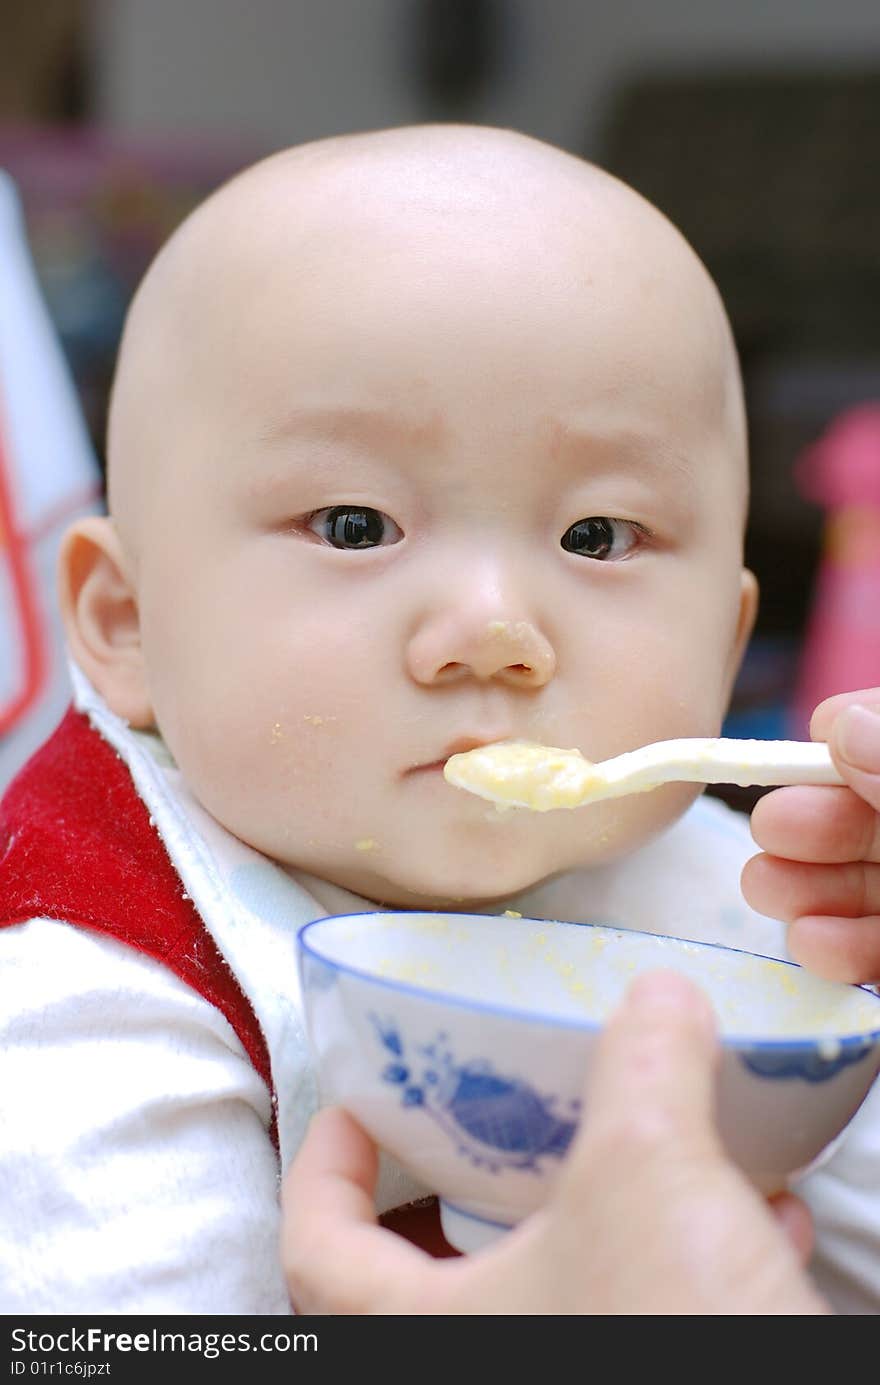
456,747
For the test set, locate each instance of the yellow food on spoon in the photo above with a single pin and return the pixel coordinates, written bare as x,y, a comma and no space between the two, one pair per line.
522,774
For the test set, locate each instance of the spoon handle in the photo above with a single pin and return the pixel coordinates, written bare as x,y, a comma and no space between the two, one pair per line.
717,760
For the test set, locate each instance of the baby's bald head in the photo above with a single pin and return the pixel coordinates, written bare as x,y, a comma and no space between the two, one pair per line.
417,436
199,324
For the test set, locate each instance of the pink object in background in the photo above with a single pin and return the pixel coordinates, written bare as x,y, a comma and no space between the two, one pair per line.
841,649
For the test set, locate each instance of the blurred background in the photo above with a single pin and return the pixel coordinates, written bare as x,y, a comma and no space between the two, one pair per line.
755,127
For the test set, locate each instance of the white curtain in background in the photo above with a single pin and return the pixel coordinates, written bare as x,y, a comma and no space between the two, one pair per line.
48,474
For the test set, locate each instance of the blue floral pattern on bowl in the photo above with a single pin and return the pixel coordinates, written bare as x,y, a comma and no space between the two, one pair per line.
496,1121
809,1066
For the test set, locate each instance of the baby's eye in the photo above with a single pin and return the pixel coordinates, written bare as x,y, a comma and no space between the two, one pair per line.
354,526
602,538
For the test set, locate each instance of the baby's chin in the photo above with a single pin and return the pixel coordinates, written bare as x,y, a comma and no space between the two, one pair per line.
607,834
453,885
437,881
474,870
397,897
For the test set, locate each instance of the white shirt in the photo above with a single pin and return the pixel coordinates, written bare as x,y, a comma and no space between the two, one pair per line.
137,1174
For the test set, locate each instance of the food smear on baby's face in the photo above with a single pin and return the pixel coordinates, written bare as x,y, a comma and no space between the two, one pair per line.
523,774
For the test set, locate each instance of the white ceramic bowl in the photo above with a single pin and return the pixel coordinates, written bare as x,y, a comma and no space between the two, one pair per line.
462,1043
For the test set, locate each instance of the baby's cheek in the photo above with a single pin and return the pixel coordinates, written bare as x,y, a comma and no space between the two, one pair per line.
308,776
623,824
676,672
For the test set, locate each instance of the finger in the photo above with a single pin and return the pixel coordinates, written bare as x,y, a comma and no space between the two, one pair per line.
854,742
796,1221
832,912
824,825
788,890
838,949
335,1255
337,1159
827,711
653,1082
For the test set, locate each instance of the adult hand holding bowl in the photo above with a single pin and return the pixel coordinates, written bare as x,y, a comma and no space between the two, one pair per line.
463,1045
677,1230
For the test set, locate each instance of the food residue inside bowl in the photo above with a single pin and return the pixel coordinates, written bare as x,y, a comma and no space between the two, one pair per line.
573,972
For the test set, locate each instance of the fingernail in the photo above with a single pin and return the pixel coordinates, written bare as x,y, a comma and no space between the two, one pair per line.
663,990
856,737
656,997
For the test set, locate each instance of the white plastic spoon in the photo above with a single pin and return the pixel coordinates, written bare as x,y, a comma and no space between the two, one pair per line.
521,774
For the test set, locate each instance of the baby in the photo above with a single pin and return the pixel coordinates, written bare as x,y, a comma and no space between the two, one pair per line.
419,439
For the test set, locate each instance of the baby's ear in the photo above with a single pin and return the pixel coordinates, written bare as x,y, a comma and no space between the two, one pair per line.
101,618
748,611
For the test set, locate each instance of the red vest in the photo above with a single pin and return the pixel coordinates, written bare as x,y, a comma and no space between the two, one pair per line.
77,844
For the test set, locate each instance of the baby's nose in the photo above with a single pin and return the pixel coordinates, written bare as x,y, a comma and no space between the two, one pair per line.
514,652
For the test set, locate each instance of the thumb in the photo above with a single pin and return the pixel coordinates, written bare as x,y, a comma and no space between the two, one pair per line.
854,742
335,1255
653,1084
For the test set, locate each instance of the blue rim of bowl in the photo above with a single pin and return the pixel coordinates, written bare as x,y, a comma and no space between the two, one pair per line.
475,1216
737,1041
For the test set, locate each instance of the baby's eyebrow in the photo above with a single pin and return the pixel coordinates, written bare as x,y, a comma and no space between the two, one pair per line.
357,423
599,450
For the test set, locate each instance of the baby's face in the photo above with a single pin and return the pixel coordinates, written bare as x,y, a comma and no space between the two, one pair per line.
436,480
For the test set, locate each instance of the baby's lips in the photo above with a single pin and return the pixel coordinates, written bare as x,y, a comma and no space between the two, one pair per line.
459,746
464,743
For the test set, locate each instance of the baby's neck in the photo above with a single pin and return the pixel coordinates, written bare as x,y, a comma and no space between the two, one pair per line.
336,899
